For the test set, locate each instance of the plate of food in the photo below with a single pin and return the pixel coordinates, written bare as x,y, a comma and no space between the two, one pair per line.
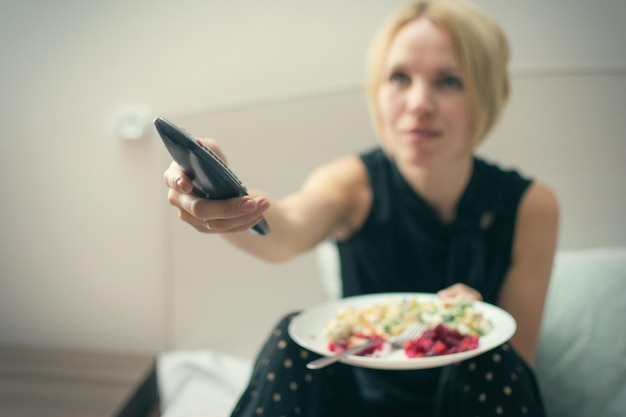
456,329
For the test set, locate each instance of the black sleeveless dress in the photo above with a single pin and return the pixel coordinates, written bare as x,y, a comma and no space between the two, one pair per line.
404,247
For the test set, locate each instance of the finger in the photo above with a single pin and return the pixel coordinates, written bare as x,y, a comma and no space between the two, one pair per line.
176,179
215,147
229,226
221,225
231,208
235,210
232,225
460,292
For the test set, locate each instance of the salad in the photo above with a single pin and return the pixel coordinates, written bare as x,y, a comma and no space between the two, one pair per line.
453,326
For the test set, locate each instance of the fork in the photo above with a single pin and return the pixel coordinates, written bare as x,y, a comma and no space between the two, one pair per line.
412,331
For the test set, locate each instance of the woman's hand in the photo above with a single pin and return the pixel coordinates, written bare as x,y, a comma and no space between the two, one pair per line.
459,293
212,216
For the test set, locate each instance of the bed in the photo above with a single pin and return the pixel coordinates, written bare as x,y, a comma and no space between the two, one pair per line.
581,358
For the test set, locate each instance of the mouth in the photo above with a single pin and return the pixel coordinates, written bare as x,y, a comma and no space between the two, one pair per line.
421,134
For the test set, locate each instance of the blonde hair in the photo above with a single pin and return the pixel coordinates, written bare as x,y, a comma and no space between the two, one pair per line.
480,45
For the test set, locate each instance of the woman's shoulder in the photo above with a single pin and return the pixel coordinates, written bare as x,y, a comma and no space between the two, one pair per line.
503,185
495,172
532,197
343,170
540,201
347,181
353,169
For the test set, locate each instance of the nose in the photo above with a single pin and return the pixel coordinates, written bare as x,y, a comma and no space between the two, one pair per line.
420,99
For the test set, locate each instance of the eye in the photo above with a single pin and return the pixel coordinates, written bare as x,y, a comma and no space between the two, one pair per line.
399,77
451,82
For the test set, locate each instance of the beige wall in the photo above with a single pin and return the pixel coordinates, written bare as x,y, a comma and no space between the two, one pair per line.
92,256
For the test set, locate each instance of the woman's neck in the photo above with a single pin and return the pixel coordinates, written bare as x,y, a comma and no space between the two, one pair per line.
441,186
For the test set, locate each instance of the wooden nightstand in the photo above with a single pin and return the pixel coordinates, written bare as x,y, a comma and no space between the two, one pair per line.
42,382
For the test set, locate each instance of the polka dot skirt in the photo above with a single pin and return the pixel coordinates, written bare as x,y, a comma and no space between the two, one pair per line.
281,385
497,383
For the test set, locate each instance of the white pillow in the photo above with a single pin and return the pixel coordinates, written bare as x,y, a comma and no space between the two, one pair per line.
329,265
581,357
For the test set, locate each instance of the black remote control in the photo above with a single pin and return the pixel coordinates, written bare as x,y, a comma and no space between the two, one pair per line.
211,178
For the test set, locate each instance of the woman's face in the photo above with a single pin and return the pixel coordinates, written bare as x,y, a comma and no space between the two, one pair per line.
422,100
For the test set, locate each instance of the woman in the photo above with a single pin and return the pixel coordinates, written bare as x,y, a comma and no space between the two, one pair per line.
422,214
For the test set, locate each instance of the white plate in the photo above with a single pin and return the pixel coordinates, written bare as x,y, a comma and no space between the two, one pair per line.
307,329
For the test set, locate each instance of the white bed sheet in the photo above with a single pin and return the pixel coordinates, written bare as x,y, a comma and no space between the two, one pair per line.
200,383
